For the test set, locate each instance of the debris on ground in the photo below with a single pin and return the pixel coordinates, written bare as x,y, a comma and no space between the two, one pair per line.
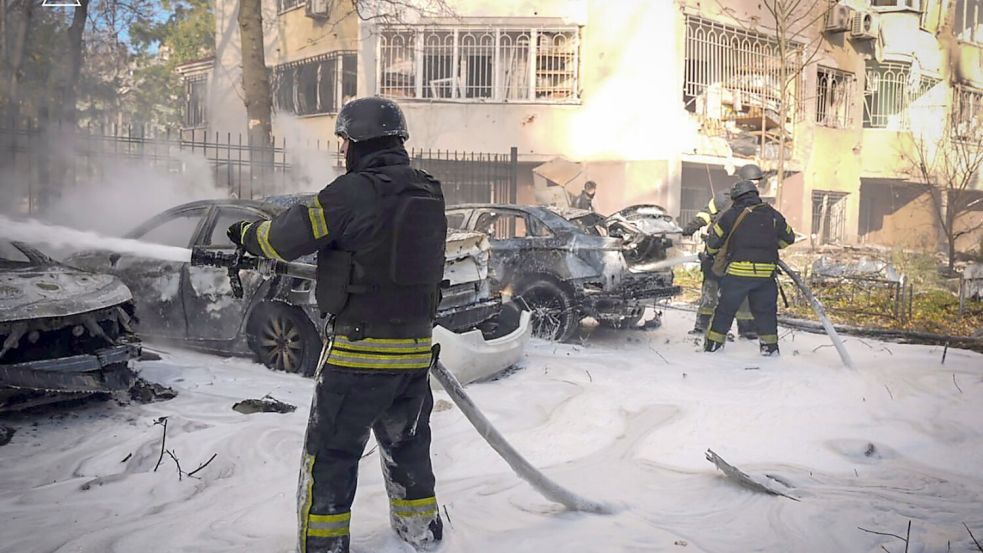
442,405
742,478
6,433
263,405
862,268
150,392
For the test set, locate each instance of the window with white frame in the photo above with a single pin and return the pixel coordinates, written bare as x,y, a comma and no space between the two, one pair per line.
315,85
285,5
909,4
195,98
834,96
969,20
889,91
828,216
967,113
495,64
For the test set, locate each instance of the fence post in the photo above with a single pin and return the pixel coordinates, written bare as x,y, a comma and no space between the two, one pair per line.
513,175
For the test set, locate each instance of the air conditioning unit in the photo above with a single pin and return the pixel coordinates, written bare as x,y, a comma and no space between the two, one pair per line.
319,9
839,18
866,26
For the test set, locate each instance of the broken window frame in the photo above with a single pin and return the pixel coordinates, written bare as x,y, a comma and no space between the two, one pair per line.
834,97
830,229
315,86
480,63
969,21
967,113
195,101
889,96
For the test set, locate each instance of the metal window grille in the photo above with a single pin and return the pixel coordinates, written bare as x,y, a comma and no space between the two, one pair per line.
834,93
967,113
889,91
284,5
479,63
828,216
196,95
315,85
969,20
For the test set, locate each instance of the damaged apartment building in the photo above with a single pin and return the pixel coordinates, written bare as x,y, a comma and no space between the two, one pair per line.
657,102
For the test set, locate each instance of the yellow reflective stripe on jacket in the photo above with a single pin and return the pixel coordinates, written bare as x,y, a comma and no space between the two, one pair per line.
384,345
381,353
425,507
705,217
712,251
718,230
263,237
342,359
783,244
242,233
319,226
328,526
751,269
715,336
712,206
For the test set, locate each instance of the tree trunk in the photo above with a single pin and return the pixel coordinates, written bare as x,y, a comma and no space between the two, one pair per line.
255,76
14,47
65,109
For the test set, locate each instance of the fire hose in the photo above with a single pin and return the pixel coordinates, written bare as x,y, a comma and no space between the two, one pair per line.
548,488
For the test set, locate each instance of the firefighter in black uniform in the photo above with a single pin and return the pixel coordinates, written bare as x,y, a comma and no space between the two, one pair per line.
752,233
709,290
380,233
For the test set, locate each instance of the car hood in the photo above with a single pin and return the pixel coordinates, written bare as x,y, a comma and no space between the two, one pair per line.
56,291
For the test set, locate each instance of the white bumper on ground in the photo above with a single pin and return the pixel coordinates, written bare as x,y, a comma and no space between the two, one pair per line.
470,357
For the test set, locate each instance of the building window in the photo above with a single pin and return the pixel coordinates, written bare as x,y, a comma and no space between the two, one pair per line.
889,91
286,5
969,20
195,99
828,216
834,95
967,113
495,64
315,85
907,4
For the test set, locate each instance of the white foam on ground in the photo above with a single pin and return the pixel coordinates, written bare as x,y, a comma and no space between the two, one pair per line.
612,420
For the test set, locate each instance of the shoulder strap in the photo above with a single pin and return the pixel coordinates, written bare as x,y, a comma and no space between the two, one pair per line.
740,218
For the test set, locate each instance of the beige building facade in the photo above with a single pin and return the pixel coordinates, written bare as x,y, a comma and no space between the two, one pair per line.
657,101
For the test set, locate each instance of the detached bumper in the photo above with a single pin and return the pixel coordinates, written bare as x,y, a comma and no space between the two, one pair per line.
105,370
470,357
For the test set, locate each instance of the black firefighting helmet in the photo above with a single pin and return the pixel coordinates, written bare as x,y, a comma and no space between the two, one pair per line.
741,188
372,117
750,172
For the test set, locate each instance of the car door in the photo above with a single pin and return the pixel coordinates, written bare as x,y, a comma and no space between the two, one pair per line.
156,284
515,238
213,312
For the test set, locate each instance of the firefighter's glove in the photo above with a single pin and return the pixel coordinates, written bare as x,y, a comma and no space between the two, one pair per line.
704,257
690,229
237,231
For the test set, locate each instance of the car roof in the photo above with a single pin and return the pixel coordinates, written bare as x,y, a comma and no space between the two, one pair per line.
552,219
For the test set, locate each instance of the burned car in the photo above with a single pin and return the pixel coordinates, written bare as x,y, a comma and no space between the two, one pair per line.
565,264
277,319
63,333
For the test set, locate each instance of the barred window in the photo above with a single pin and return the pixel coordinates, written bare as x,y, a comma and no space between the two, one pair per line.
315,85
967,113
495,64
834,96
889,90
284,5
828,216
195,98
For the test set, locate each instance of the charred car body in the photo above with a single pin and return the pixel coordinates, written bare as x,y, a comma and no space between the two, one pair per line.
277,318
63,333
565,264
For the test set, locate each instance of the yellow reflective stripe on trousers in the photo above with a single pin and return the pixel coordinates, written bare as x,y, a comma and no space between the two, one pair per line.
328,526
426,506
715,336
319,226
381,353
768,338
263,237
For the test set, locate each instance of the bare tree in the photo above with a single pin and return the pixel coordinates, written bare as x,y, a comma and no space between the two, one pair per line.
16,17
257,94
795,28
66,89
950,163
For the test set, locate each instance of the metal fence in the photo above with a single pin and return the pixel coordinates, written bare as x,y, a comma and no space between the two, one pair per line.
36,164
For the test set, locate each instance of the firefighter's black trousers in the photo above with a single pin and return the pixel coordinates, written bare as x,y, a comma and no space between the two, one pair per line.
396,406
761,294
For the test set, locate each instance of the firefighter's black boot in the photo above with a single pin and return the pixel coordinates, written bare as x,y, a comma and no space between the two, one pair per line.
712,345
702,322
769,350
746,329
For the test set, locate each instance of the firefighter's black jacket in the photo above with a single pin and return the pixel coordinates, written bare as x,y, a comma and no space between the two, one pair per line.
380,233
753,250
717,204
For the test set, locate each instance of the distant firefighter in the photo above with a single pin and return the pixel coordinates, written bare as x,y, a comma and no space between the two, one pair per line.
585,200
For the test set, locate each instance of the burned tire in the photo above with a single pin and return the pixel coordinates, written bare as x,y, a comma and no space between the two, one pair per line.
553,314
283,338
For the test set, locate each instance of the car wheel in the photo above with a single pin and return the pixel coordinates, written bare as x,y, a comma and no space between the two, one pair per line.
553,315
283,338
